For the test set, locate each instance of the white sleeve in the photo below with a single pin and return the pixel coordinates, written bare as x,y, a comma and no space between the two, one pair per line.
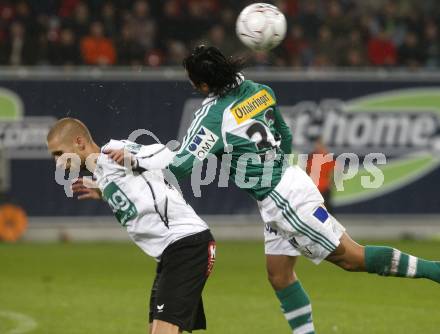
113,145
156,156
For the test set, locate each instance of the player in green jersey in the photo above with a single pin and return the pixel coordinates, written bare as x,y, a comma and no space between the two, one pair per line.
240,121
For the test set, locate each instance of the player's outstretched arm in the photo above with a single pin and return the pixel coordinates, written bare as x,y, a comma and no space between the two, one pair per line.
149,157
86,189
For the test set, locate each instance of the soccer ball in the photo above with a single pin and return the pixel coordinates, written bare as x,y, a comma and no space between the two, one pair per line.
261,26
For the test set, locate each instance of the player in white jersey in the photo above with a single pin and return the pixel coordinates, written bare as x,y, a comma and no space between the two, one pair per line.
157,219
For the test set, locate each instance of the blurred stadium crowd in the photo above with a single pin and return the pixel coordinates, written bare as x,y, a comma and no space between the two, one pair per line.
343,33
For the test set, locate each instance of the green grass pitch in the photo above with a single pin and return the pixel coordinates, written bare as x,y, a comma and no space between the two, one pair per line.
94,288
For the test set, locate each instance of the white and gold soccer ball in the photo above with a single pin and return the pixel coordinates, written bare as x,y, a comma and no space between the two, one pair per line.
261,26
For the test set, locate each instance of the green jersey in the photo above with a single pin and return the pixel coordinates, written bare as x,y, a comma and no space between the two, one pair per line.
245,129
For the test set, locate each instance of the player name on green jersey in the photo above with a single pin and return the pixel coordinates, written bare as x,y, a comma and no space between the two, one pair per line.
252,106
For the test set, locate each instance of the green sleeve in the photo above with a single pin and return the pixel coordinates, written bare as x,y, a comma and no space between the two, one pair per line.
202,138
284,130
281,127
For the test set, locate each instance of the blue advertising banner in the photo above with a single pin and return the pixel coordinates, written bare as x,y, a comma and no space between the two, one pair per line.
397,117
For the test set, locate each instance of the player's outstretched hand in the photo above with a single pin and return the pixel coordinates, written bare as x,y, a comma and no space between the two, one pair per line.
86,189
122,157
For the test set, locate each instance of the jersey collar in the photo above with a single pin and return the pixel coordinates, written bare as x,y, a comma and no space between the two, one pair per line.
211,97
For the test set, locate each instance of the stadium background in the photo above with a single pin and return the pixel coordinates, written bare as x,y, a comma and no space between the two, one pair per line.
116,65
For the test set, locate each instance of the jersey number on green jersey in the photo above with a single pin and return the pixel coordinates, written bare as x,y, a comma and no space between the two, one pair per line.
259,131
121,205
262,130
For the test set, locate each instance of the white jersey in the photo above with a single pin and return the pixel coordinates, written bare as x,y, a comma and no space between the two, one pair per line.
153,212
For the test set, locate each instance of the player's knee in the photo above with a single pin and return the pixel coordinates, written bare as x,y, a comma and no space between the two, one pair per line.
163,327
353,262
351,266
349,255
281,280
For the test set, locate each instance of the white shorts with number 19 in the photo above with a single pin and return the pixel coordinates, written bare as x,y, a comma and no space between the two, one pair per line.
296,221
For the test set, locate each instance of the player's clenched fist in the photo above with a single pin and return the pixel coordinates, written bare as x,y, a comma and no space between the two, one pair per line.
121,156
85,188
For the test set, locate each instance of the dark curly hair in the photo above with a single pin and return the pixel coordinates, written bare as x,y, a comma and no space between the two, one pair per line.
208,65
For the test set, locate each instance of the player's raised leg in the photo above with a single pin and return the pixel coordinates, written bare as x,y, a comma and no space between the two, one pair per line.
382,260
296,205
281,259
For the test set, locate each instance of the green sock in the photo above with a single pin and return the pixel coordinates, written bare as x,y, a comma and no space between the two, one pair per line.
388,261
295,304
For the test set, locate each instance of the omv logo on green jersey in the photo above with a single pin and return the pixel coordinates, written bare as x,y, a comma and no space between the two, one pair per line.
402,124
23,137
202,142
